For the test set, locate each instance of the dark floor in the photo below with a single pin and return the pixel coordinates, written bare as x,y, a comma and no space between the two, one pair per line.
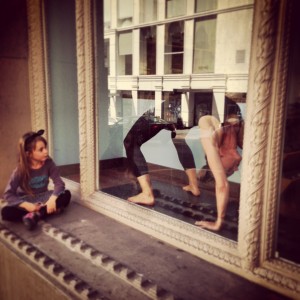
172,201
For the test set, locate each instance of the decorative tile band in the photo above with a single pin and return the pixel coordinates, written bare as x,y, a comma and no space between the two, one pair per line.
76,286
109,264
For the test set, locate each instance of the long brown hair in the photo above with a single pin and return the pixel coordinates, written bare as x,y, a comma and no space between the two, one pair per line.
26,145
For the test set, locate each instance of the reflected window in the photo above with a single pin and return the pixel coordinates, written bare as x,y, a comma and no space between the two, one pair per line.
106,56
125,54
125,13
205,5
204,46
148,11
171,106
174,47
203,106
175,8
146,102
148,51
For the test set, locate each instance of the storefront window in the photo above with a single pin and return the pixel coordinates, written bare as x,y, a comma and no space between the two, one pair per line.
150,140
288,237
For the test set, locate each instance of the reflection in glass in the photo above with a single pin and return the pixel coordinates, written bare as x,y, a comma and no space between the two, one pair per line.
288,245
204,5
148,51
204,46
174,38
125,53
148,11
125,13
171,107
175,8
166,96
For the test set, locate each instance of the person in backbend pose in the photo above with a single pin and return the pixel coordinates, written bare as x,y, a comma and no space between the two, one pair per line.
219,141
136,137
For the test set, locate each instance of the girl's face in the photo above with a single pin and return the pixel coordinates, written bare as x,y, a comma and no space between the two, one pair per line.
39,154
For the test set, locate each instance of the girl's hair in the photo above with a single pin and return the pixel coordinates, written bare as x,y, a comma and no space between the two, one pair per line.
27,144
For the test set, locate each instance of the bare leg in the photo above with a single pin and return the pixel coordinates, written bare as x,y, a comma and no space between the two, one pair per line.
146,197
193,183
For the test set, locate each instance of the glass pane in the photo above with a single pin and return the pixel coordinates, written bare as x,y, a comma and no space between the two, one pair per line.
125,54
61,42
204,5
174,37
148,50
125,13
288,245
148,10
175,8
204,47
152,147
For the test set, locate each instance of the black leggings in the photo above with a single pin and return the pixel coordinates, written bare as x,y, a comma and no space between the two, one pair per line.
16,213
139,134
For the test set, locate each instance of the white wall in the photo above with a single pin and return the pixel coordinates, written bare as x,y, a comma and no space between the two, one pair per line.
60,20
234,31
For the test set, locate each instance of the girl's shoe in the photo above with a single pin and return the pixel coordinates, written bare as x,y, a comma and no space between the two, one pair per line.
31,219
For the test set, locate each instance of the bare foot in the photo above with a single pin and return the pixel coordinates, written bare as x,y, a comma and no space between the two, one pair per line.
142,198
193,189
214,226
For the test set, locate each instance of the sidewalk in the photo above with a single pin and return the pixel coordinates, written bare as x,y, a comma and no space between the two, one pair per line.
122,263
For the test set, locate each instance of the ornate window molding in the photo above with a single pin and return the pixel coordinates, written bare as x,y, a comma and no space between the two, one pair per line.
253,256
37,66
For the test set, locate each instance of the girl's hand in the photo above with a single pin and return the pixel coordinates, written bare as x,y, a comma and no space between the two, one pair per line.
51,205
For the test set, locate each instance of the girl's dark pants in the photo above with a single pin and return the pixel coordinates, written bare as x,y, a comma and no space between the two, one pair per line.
16,214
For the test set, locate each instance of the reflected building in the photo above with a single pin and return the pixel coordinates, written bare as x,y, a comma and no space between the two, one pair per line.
179,58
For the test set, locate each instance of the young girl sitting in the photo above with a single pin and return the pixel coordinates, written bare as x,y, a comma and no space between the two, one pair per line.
27,192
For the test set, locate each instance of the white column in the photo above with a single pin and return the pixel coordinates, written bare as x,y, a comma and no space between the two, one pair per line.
190,9
218,104
160,49
114,13
188,46
135,51
135,100
158,101
185,108
161,10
